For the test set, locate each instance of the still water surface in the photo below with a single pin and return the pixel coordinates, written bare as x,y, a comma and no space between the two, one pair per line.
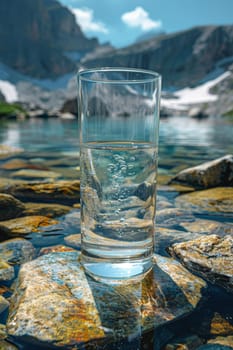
188,139
183,142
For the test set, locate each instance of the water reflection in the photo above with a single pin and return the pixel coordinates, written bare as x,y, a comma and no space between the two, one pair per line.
214,135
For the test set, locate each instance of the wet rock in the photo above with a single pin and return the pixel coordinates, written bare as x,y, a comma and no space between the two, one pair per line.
5,345
215,173
208,227
3,334
190,342
7,272
172,217
162,203
14,164
166,236
49,210
223,342
73,240
8,151
144,191
55,303
10,207
64,192
220,325
29,174
209,256
55,249
17,251
3,304
27,224
218,199
214,347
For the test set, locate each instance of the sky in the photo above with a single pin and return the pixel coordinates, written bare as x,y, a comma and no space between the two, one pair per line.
121,22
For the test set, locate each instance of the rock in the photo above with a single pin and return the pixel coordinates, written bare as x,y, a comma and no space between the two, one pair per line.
218,199
56,304
17,251
98,107
55,249
49,210
14,164
4,345
73,240
64,192
172,217
67,116
214,347
10,207
18,164
3,334
223,342
143,191
190,342
220,326
3,304
218,172
197,113
8,151
166,236
70,106
27,224
7,272
208,256
29,174
208,227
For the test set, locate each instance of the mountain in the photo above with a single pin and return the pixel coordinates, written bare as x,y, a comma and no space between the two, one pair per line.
184,59
40,38
149,35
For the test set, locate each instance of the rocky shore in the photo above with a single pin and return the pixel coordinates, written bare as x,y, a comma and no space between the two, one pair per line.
46,299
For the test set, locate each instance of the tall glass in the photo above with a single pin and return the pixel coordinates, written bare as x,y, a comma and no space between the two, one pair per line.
119,124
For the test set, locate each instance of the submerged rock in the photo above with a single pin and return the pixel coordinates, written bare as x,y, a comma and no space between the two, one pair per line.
17,251
218,199
218,172
27,224
7,272
3,304
55,303
209,256
10,207
64,192
8,151
34,174
46,209
203,226
73,240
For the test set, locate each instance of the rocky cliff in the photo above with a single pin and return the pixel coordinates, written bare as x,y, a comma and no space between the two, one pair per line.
183,58
38,37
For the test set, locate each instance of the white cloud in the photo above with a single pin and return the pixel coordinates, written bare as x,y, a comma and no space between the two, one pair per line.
140,18
85,18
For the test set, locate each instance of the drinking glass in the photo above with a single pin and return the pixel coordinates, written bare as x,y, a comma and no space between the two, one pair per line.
119,125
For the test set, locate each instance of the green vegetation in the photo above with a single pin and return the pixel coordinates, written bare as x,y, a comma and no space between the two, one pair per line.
8,109
228,114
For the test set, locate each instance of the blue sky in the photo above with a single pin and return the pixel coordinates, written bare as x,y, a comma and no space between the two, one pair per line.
122,21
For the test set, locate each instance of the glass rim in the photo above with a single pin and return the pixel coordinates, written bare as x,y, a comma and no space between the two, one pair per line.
152,75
